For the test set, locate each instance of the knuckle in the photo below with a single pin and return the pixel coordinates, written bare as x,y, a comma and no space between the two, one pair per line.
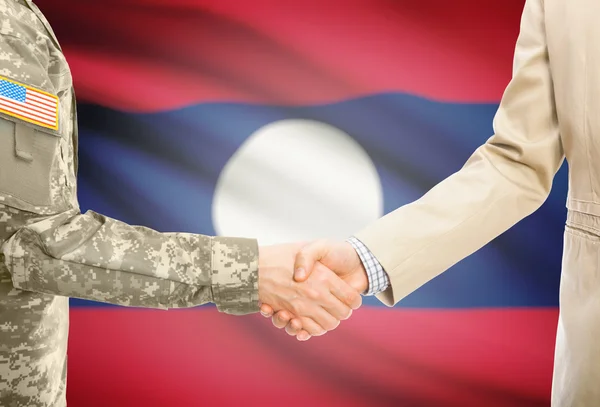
352,298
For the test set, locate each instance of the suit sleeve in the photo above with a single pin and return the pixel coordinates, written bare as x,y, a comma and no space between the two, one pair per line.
94,257
505,180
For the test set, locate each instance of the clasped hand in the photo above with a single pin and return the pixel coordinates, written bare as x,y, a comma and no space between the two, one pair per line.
310,289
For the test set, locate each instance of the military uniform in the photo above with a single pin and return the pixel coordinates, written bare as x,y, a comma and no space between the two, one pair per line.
51,251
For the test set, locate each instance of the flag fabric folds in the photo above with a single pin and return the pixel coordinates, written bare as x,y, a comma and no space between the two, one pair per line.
172,92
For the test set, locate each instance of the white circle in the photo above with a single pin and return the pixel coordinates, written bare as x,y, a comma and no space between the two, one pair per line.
296,180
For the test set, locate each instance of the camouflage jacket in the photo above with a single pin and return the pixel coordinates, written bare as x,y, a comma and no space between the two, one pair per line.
51,251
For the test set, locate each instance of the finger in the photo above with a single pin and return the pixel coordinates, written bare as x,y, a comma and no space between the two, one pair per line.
336,308
307,257
303,336
281,319
322,295
318,302
332,293
323,318
294,327
266,310
312,328
345,293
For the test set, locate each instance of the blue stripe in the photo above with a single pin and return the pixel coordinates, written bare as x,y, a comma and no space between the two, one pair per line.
160,170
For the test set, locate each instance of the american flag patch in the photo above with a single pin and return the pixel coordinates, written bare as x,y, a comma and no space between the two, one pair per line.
29,104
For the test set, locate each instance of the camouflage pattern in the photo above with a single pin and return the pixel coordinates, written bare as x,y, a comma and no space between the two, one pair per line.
51,251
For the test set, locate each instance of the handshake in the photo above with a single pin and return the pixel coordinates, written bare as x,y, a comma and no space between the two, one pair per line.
309,288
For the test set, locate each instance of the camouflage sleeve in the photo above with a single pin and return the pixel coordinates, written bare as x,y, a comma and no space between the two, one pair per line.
94,257
63,252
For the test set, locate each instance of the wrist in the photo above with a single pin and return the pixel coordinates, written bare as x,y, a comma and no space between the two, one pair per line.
359,279
362,279
263,272
275,271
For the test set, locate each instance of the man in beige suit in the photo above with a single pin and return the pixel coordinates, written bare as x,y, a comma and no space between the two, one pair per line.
550,109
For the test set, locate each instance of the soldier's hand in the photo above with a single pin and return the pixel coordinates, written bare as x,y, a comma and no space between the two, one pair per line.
318,304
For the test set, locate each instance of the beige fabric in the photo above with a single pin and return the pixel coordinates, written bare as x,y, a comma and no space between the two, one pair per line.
549,110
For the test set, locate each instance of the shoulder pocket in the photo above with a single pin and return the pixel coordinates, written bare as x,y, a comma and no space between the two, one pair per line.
28,161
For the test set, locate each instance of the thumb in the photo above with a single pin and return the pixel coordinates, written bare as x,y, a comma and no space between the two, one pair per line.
306,259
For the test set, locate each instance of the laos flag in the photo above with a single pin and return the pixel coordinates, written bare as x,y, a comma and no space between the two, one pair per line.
290,120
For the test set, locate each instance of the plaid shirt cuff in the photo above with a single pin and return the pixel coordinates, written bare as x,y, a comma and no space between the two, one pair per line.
378,278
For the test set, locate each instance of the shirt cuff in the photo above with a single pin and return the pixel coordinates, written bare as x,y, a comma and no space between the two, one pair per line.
378,279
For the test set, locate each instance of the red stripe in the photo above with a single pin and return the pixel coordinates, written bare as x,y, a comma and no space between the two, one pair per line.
492,358
34,106
44,110
28,106
44,102
43,98
11,107
173,53
23,110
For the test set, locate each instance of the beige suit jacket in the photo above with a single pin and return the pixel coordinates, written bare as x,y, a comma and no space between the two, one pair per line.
550,110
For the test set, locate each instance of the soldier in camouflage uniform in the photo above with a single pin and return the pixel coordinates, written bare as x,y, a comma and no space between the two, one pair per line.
51,251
